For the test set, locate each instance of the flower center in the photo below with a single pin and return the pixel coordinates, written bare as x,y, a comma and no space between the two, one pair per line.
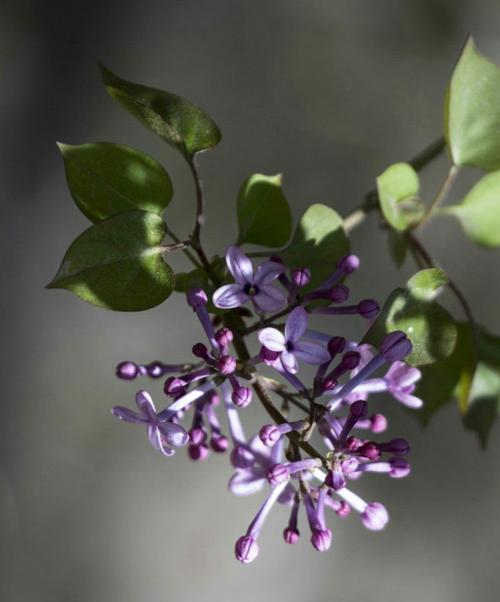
250,289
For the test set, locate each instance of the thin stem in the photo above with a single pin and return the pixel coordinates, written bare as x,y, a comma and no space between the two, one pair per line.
176,239
441,195
177,246
260,323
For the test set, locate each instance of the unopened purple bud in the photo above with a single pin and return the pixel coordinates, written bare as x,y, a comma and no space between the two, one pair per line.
378,423
349,465
155,370
335,480
196,297
241,457
173,386
246,549
350,360
398,447
267,355
224,337
358,409
343,510
291,536
269,434
321,539
400,468
339,294
349,263
197,436
368,308
353,444
219,444
200,350
375,516
336,345
241,397
395,346
127,371
226,365
278,473
370,450
301,277
198,453
329,383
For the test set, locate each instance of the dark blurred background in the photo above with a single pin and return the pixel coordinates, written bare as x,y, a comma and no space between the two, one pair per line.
326,92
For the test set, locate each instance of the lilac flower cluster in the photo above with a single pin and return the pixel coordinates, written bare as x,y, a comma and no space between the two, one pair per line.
283,457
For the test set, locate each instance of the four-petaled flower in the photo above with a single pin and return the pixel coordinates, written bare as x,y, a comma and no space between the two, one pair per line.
161,433
249,286
289,346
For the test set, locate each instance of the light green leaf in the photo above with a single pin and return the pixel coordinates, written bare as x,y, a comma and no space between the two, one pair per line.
105,179
176,120
426,285
264,217
430,328
318,242
479,212
472,111
397,189
118,264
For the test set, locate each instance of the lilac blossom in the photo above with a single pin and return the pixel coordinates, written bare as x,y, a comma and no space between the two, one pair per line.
289,345
249,286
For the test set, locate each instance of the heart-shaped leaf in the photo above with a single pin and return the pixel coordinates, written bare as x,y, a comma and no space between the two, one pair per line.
479,212
178,121
264,217
397,190
105,179
472,111
398,247
118,263
427,284
318,242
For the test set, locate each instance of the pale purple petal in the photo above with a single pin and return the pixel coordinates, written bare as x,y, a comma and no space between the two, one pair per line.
266,272
156,440
402,374
287,496
269,298
239,265
229,295
272,339
128,415
410,401
145,404
296,324
173,434
247,481
289,362
311,353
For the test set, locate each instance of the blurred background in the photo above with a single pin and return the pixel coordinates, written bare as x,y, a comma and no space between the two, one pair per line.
326,92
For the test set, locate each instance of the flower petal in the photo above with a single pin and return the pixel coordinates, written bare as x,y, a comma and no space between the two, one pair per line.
272,339
247,481
402,375
311,353
239,265
173,434
229,295
156,440
410,401
145,404
289,362
266,272
269,298
127,415
296,325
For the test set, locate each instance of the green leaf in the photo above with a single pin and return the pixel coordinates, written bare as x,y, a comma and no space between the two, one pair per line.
426,285
176,120
105,179
398,247
197,278
479,212
118,263
427,324
472,111
397,189
264,217
318,242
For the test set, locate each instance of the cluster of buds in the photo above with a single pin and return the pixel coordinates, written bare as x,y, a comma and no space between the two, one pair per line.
283,458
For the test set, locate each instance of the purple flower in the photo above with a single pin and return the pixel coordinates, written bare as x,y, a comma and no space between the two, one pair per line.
249,286
401,379
289,346
161,433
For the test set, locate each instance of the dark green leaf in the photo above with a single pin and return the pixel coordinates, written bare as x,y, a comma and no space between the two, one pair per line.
176,120
318,242
118,263
264,217
398,247
472,111
105,179
197,278
397,189
479,212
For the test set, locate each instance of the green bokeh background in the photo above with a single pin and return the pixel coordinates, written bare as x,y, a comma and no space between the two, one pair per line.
326,92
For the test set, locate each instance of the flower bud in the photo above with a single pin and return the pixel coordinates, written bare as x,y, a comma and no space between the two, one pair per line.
353,444
395,346
246,549
224,337
198,453
226,365
336,345
339,294
400,468
358,409
291,536
375,516
267,355
301,277
398,447
241,397
321,539
348,263
343,510
269,434
196,297
155,370
127,370
368,308
378,423
219,444
349,465
370,450
200,350
350,360
197,436
278,473
174,386
335,480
